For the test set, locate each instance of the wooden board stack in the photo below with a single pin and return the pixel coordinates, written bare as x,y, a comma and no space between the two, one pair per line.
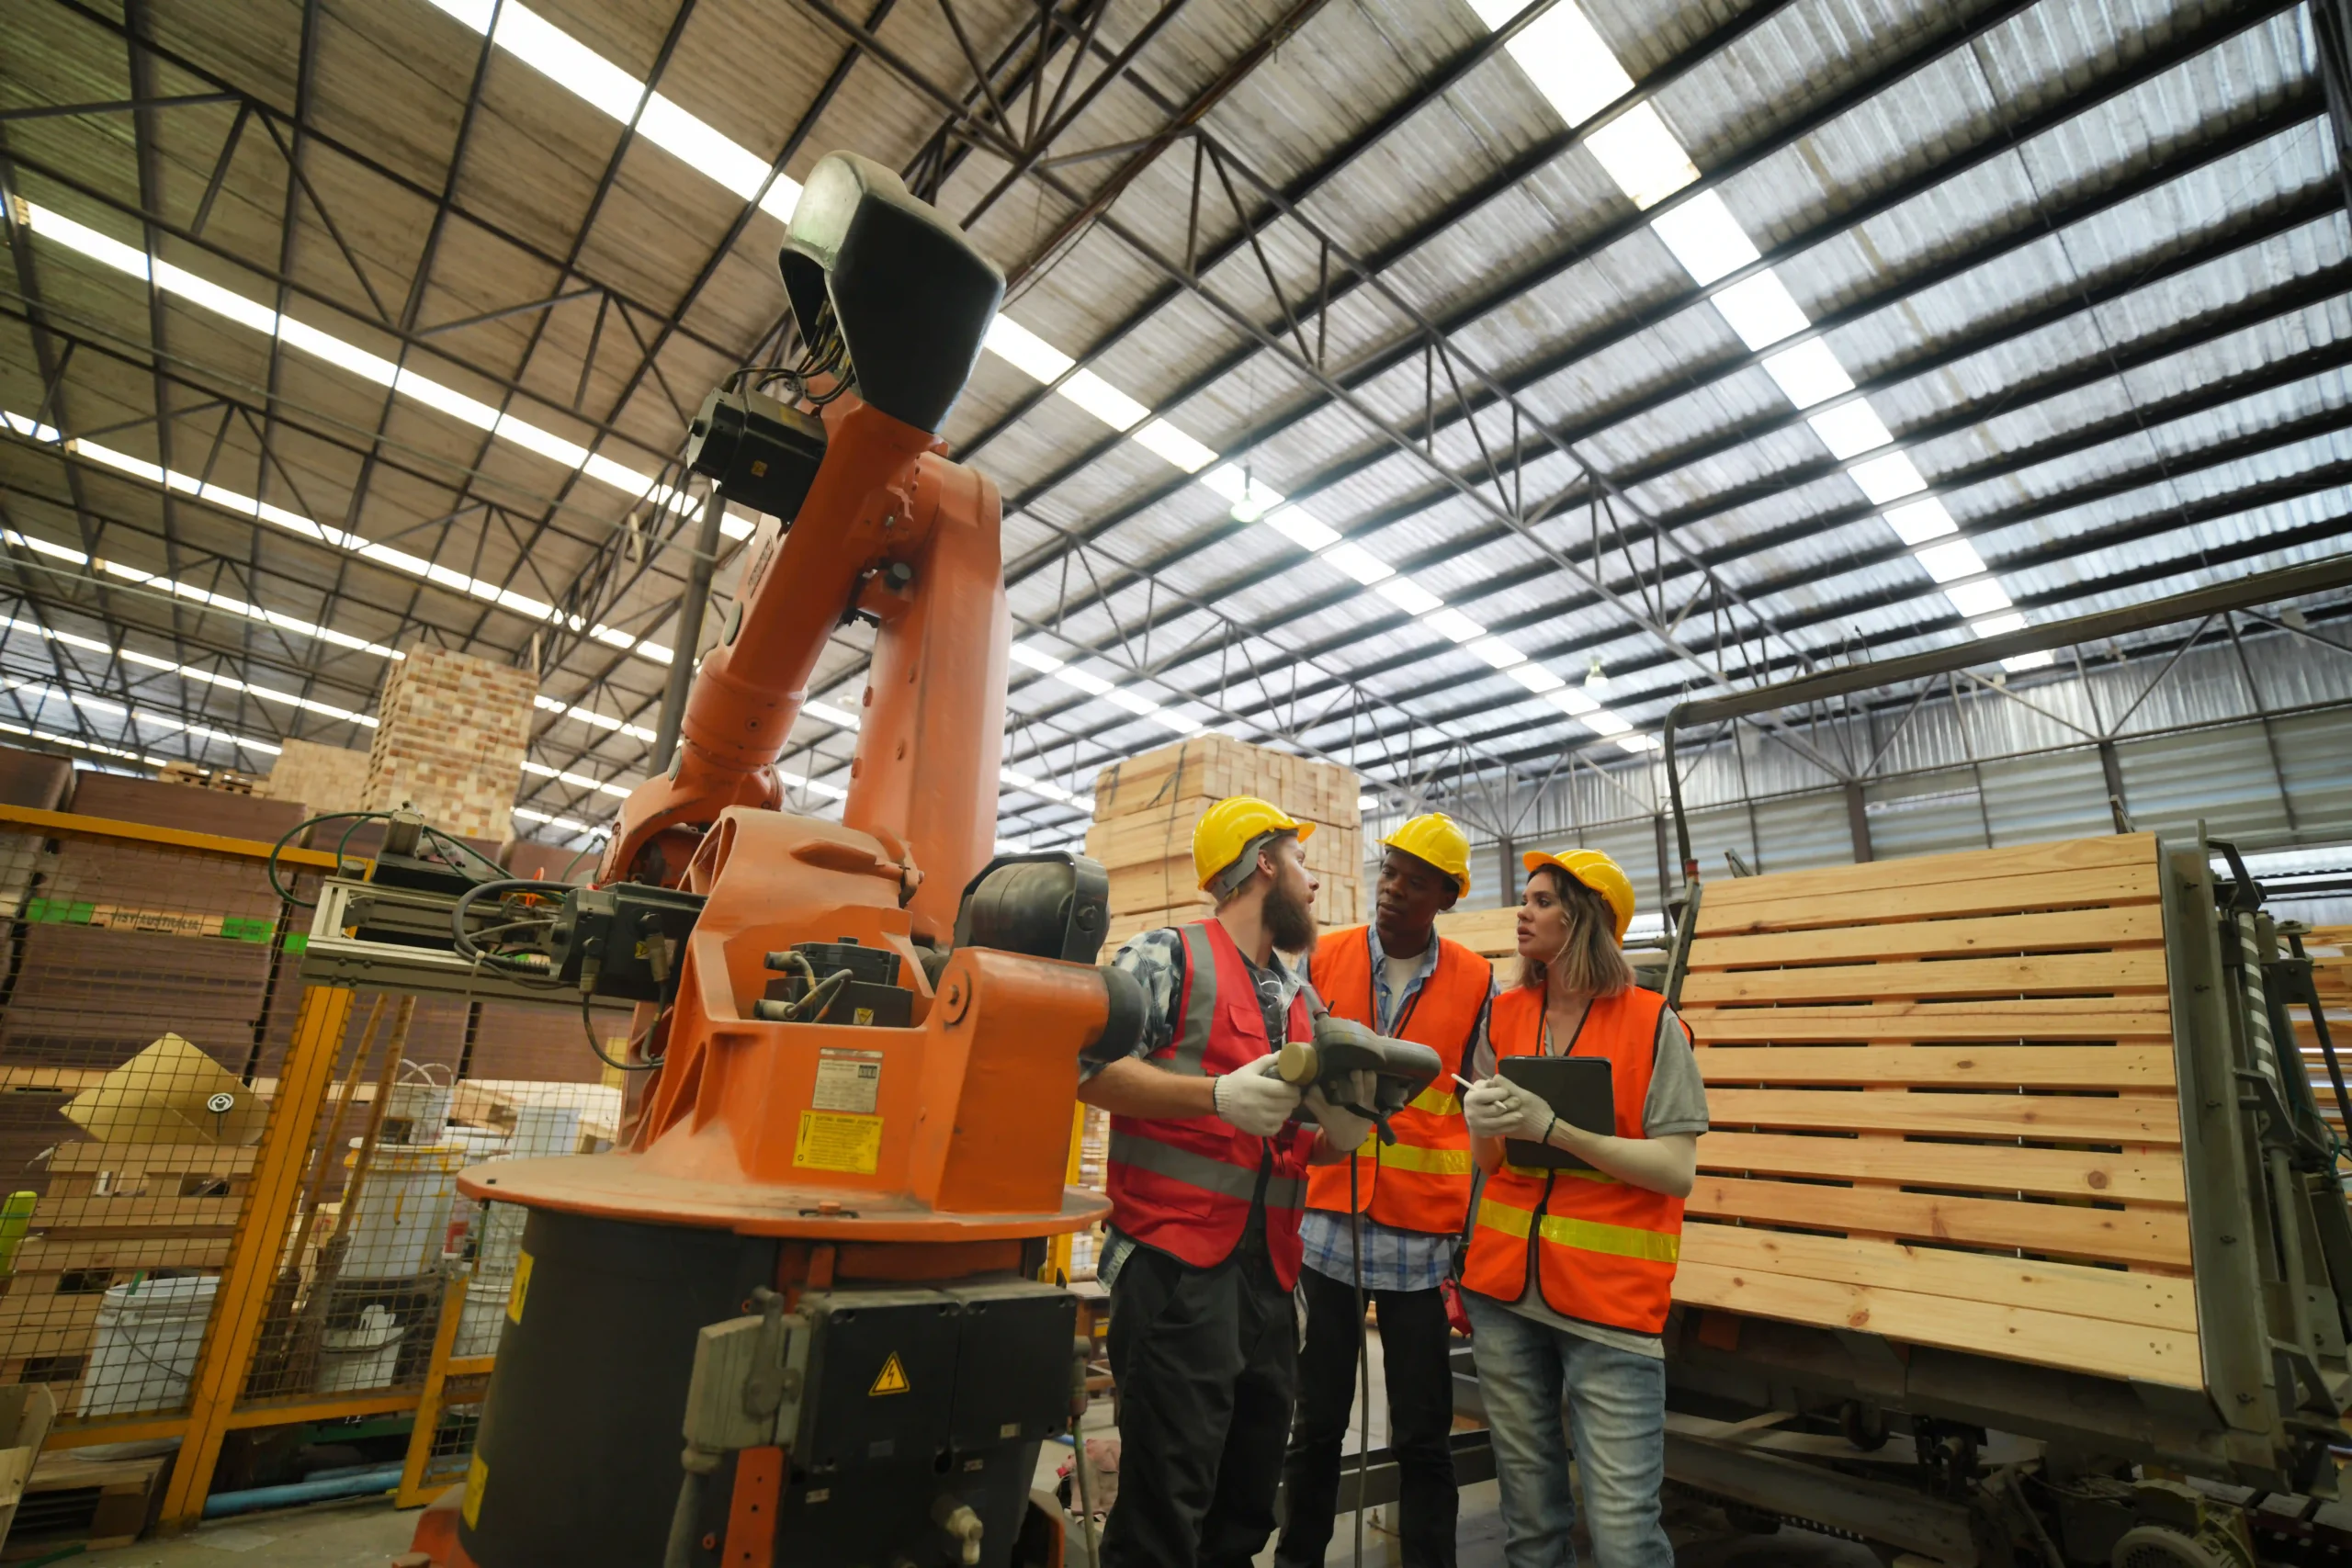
1956,1074
1145,807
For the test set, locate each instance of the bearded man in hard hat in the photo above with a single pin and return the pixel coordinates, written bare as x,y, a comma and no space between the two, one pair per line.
1400,978
1207,1175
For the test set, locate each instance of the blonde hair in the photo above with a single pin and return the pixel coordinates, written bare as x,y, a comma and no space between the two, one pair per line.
1591,964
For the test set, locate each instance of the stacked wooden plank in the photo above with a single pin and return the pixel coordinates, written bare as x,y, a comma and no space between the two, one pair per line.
1944,1109
113,1213
1145,810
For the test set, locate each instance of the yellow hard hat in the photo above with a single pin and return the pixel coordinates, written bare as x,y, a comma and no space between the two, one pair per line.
1596,871
1433,836
1230,827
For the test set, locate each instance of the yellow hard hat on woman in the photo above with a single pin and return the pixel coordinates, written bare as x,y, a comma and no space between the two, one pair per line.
1231,826
1595,871
1434,837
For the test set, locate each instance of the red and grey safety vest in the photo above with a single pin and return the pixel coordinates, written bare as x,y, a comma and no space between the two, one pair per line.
1601,1250
1420,1182
1186,1186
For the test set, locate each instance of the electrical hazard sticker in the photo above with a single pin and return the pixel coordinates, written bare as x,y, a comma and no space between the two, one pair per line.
476,1482
522,1287
833,1140
891,1379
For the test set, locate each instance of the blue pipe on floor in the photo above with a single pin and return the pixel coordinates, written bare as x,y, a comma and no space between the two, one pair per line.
353,1484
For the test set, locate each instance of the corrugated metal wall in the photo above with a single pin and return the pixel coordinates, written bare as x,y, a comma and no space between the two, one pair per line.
1971,766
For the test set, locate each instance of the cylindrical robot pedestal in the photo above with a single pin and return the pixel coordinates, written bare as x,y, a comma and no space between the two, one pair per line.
576,1463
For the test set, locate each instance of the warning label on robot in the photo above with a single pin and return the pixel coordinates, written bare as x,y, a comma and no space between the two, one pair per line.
891,1379
835,1140
476,1482
848,1080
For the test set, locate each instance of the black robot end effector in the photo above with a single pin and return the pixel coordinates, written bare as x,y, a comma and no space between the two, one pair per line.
1400,1070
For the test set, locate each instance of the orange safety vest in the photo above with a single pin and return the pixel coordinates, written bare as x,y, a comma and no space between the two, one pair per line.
1184,1186
1420,1182
1601,1250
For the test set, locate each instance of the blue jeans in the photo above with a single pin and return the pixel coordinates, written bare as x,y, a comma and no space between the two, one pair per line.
1616,1406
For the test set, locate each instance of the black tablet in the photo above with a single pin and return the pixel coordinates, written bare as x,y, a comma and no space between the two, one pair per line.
1580,1089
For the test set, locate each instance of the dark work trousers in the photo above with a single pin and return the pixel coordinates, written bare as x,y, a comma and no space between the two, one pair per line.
1414,1351
1206,1361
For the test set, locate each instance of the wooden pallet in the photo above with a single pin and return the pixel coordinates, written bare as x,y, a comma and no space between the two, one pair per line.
1944,1107
95,1504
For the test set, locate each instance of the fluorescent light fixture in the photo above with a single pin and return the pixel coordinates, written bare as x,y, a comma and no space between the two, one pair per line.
1850,429
1536,679
1808,373
594,719
1026,351
1301,528
1888,478
1163,439
368,367
1453,624
1408,597
1705,238
1105,401
1763,310
1982,597
1642,156
1564,58
1571,701
1917,522
1358,562
1498,652
1035,658
570,64
839,717
1952,560
1086,681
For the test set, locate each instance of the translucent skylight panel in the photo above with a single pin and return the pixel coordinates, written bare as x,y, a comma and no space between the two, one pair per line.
1850,429
1808,373
1761,311
1705,238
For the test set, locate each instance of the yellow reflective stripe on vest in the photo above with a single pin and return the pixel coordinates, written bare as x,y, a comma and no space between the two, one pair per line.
1436,1101
1585,1235
1436,1162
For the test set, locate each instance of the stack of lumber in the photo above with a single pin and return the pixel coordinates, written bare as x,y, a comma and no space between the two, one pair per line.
74,1504
1944,1110
2330,950
1145,810
92,996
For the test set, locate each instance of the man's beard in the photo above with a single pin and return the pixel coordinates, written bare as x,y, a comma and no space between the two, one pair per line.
1290,919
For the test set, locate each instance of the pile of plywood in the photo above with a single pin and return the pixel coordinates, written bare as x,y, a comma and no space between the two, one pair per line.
1145,810
1944,1108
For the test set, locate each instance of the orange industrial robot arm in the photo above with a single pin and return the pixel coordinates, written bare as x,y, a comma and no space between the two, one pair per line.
866,515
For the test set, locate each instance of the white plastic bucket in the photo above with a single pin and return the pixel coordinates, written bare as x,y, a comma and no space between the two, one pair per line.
485,1316
144,1350
404,1211
361,1355
416,1111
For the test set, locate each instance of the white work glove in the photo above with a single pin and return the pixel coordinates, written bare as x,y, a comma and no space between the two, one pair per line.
1253,1100
1500,1108
1344,1128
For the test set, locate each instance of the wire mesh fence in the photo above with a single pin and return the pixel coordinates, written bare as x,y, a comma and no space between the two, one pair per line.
141,979
150,998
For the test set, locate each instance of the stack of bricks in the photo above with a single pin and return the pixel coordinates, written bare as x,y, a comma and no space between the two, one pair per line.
1145,807
450,735
325,778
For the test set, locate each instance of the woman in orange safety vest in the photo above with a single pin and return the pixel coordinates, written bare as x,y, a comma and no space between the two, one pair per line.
1571,1270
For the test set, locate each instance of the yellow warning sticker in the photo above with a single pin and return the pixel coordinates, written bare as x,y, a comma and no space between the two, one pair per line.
476,1482
831,1139
891,1379
522,1287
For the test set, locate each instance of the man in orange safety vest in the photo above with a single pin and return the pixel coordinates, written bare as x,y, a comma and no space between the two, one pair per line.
1398,976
